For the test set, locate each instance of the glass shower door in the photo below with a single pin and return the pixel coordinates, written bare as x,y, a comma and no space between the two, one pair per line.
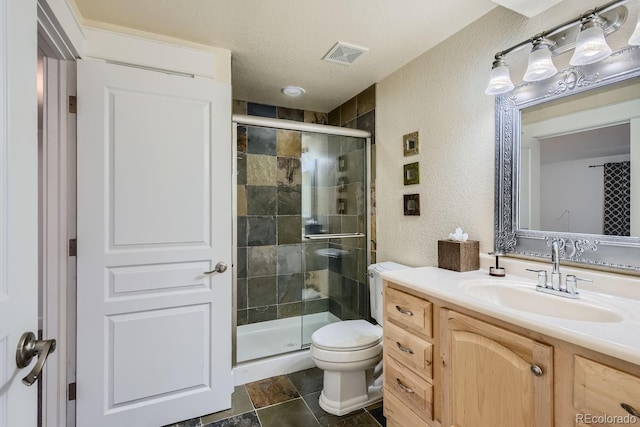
334,213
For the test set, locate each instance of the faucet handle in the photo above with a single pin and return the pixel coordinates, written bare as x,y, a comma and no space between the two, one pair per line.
572,283
542,277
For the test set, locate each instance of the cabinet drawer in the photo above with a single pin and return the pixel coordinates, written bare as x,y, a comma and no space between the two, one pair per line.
409,349
600,390
413,391
399,415
408,310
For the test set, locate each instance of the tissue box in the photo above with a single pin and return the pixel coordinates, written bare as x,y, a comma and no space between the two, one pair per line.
459,256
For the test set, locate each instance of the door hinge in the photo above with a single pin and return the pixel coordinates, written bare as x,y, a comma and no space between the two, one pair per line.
73,105
72,391
73,248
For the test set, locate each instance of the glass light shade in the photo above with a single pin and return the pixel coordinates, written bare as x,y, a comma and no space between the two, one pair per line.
540,65
590,46
634,40
499,81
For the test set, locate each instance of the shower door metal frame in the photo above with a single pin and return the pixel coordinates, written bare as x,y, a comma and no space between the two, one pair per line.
245,120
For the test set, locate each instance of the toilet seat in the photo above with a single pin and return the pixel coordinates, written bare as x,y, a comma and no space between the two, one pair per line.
347,336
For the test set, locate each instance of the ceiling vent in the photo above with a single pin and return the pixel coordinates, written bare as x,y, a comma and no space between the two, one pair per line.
343,53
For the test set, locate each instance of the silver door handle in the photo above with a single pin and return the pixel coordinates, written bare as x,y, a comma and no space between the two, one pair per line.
28,347
220,267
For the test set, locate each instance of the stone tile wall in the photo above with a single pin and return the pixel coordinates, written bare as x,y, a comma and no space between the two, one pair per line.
279,275
276,270
349,295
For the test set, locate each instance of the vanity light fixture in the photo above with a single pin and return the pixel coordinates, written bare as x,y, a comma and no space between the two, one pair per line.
591,45
292,90
586,33
540,63
499,79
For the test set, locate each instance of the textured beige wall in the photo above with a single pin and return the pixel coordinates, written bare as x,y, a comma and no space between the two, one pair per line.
441,95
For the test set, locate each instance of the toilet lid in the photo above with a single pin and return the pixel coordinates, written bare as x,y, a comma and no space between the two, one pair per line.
347,335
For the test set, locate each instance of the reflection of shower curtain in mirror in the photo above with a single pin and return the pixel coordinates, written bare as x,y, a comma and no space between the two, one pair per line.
617,198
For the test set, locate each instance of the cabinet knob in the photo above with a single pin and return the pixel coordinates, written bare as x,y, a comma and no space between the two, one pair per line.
537,371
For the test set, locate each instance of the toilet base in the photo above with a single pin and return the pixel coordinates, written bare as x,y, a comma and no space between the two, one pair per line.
373,395
346,391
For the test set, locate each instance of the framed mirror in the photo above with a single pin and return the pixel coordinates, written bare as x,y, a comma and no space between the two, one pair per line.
568,165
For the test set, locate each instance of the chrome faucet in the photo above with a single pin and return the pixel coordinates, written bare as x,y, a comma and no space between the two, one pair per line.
570,290
556,276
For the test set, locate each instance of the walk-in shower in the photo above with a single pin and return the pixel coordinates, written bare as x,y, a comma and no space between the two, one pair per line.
302,223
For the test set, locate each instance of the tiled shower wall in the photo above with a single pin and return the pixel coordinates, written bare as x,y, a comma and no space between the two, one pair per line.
357,113
271,256
271,281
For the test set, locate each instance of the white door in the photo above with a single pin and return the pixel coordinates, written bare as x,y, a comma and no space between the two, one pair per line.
154,214
18,205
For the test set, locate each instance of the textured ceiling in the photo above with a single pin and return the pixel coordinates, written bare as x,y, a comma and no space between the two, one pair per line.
275,43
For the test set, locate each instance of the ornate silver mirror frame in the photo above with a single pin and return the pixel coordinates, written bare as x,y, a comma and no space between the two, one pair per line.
611,252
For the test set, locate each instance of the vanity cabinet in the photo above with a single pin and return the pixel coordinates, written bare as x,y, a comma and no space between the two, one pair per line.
602,391
447,365
493,377
408,359
484,375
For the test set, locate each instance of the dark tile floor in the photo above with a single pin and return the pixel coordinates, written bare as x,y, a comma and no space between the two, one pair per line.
285,401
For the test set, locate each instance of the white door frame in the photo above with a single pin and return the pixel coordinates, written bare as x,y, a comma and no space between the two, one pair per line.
58,194
58,220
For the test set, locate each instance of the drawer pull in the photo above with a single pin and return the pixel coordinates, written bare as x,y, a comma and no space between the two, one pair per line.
403,348
630,410
537,371
404,387
403,311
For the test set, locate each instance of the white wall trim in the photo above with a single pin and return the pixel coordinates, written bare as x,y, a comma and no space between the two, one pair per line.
4,142
63,26
54,406
145,52
4,357
49,30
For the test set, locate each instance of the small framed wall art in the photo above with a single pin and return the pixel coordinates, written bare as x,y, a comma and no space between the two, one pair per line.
411,144
412,204
412,173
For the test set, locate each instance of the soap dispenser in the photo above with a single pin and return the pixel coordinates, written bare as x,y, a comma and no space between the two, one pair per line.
497,271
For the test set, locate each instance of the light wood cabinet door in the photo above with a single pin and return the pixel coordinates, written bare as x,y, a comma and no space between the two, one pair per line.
489,378
604,395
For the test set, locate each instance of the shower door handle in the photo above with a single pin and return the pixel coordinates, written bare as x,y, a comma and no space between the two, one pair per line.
220,267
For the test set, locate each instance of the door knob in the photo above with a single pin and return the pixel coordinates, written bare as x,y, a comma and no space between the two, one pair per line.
28,347
220,267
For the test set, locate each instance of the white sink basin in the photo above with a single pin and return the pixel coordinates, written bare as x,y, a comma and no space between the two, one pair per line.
516,296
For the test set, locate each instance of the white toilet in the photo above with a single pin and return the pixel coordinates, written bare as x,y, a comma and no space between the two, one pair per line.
350,353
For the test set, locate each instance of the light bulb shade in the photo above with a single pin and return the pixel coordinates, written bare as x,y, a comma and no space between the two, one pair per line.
499,81
590,46
634,40
540,65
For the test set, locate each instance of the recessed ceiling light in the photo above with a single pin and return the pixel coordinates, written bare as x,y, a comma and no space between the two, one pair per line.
292,90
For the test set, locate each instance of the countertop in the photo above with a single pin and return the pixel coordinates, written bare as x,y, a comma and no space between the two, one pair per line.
619,339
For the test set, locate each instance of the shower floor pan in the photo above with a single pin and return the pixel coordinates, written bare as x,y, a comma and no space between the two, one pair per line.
264,339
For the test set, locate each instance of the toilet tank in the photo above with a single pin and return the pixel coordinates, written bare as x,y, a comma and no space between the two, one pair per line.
375,286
